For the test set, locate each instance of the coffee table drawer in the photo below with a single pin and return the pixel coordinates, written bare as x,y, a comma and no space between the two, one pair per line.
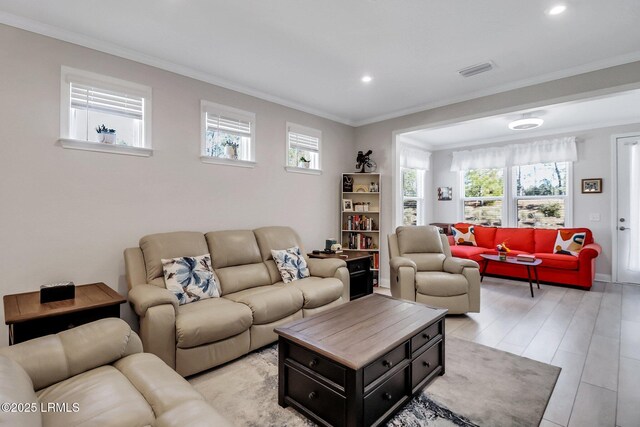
318,364
384,364
426,335
385,396
323,402
426,363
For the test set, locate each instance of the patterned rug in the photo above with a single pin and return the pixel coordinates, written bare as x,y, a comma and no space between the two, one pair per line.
482,387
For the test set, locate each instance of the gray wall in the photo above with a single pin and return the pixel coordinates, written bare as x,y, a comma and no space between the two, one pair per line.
379,136
594,161
68,214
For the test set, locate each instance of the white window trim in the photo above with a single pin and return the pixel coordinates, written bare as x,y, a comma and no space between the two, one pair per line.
568,198
504,217
509,206
68,75
421,198
293,127
212,107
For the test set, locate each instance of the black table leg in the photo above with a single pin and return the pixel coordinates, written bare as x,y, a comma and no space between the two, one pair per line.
484,269
535,272
530,283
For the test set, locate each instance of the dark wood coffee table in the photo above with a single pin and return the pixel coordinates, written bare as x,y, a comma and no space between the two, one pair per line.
513,260
359,363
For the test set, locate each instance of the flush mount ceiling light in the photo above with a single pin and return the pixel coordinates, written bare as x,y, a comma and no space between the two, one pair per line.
557,10
366,79
526,122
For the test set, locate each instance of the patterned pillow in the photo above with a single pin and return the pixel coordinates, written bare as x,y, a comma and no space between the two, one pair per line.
190,278
464,235
569,242
291,264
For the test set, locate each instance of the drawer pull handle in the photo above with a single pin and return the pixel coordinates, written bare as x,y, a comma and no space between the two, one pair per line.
387,363
313,395
387,396
426,336
427,364
313,363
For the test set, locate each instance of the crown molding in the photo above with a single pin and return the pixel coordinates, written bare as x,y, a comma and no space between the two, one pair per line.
134,55
545,78
538,134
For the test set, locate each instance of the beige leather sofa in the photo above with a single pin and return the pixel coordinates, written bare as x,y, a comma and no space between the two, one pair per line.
423,270
197,336
95,375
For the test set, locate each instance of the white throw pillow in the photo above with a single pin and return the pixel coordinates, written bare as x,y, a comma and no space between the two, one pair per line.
291,264
190,278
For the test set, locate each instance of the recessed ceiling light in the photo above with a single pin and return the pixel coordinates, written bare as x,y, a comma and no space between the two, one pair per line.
366,79
557,10
526,123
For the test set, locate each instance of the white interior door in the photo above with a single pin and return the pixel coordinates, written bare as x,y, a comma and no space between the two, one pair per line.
628,209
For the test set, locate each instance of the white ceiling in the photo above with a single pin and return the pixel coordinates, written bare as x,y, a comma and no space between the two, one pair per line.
611,110
311,54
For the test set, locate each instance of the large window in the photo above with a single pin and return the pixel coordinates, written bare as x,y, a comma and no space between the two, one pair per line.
412,196
540,194
228,135
483,196
536,196
104,112
303,147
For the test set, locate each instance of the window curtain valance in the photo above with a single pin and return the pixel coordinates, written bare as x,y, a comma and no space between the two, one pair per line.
415,158
546,151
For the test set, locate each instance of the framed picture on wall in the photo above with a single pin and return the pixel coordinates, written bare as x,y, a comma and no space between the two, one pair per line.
445,193
592,185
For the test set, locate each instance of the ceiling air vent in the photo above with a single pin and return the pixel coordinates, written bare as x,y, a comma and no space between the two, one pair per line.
476,69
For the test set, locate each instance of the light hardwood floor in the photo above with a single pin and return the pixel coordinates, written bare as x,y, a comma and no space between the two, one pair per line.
593,336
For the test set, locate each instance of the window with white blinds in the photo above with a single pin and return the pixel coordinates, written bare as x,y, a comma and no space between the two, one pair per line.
303,147
106,101
100,109
228,133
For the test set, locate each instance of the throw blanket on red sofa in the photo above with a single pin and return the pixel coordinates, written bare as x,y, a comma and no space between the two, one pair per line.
555,268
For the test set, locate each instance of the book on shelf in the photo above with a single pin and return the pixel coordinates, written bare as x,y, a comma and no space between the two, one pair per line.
375,263
360,241
360,223
525,258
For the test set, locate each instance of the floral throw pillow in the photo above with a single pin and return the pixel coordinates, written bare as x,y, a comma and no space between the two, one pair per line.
291,264
569,242
190,278
464,235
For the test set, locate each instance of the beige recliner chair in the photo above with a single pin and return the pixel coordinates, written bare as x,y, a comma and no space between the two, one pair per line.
96,375
423,270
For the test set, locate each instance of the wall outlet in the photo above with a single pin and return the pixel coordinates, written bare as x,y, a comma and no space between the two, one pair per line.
594,217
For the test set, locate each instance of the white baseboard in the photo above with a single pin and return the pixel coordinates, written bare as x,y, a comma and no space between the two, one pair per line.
385,283
602,277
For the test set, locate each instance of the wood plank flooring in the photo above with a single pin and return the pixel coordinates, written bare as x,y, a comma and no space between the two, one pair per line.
593,336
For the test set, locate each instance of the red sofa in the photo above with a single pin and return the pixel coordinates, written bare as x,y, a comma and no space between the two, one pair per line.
555,268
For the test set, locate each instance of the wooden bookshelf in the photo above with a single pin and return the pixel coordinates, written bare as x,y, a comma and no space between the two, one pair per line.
360,225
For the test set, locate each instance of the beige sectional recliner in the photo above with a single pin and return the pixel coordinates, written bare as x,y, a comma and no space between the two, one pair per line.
200,335
96,374
423,270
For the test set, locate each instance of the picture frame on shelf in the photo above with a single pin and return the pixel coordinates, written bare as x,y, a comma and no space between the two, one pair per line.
592,185
347,205
347,184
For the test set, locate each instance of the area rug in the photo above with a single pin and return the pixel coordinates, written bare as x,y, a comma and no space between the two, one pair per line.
482,387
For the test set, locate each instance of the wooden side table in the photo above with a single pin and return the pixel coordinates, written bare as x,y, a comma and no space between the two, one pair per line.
359,266
28,319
